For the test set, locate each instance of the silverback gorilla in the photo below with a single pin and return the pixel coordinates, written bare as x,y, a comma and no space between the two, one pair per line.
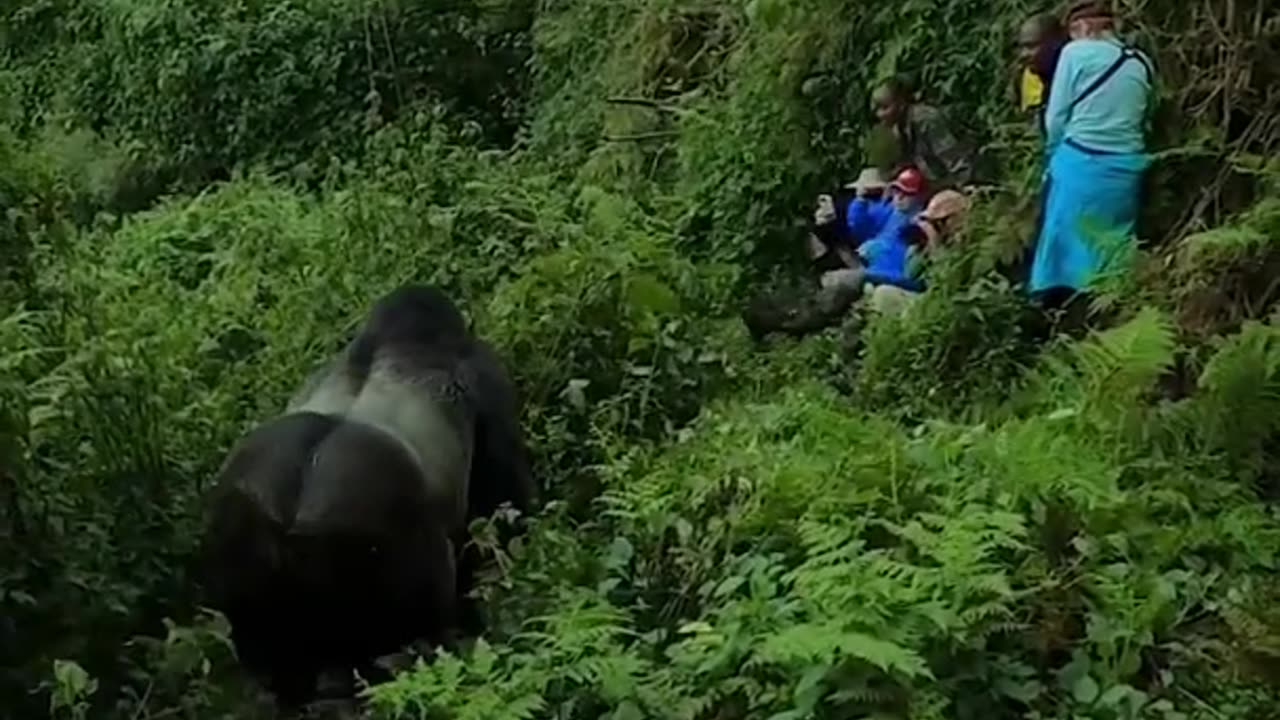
336,530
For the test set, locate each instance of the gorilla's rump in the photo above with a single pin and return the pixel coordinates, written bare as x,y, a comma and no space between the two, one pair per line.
319,546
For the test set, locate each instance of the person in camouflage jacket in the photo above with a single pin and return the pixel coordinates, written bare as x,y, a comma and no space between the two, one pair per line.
924,137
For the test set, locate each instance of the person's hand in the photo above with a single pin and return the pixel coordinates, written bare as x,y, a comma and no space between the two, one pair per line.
826,211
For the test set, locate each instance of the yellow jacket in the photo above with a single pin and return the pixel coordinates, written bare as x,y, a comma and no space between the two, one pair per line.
1031,93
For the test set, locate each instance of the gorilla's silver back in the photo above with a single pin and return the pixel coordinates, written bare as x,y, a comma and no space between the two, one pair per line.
417,401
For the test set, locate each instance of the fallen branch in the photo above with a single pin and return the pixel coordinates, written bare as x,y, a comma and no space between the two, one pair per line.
642,102
637,137
669,108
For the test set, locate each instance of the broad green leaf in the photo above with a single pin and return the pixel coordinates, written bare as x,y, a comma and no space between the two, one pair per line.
648,293
1085,690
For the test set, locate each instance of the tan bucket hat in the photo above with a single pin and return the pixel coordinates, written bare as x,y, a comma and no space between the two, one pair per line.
869,179
945,205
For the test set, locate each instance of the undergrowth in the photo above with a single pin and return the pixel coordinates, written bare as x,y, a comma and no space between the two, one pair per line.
793,559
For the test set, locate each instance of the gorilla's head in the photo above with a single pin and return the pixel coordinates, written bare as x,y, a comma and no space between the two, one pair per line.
410,314
422,312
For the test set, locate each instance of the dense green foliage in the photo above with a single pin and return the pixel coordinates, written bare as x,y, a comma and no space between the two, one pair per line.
200,200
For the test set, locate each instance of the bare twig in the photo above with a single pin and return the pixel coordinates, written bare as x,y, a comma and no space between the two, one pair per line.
642,102
650,104
391,53
142,704
1201,703
637,137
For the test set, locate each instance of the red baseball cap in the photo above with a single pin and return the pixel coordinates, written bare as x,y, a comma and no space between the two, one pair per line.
909,182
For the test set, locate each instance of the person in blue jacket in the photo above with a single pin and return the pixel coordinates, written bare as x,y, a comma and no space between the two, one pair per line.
885,224
832,240
882,232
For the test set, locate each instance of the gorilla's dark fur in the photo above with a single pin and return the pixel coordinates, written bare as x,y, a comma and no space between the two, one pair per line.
336,529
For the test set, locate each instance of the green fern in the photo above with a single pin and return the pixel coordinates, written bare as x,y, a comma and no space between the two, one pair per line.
1111,373
1237,407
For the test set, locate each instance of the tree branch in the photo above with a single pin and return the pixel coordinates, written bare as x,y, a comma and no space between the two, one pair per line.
656,134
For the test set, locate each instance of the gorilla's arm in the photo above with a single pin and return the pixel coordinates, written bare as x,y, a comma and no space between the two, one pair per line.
500,466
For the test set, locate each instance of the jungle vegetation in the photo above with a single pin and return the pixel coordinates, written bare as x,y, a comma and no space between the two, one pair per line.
200,199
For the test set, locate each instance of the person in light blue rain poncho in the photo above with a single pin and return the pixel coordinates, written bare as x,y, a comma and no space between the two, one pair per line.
1094,127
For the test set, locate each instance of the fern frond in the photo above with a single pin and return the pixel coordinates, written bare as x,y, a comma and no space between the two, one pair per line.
811,643
1237,408
1122,362
1110,371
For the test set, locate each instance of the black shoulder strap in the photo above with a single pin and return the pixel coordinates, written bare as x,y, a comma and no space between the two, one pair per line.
1126,54
906,135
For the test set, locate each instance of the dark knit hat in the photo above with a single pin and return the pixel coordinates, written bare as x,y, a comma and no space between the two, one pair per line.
1088,10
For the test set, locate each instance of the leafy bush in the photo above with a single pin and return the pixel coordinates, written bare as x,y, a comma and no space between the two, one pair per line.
1226,274
206,88
956,351
34,215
